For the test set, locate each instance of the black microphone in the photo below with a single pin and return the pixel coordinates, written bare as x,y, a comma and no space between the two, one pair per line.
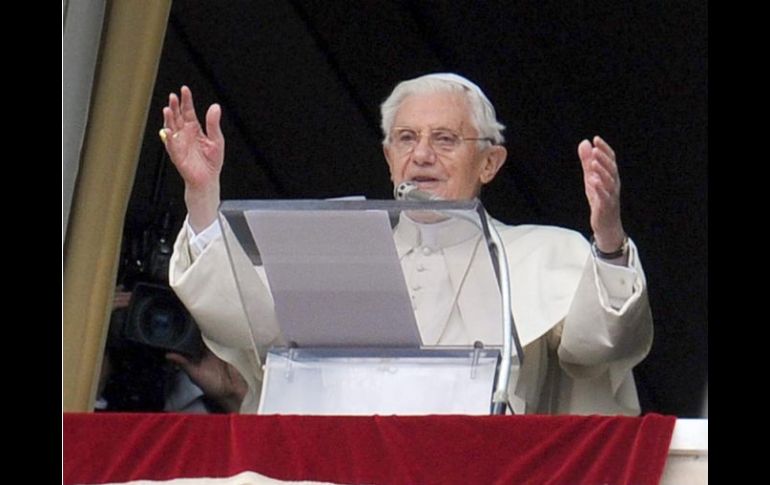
409,191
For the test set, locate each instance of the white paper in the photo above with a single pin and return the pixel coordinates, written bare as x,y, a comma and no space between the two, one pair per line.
335,277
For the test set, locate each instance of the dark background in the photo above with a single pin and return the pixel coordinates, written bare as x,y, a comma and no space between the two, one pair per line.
300,83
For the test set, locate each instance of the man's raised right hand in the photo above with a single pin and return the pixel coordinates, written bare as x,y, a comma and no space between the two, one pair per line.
198,156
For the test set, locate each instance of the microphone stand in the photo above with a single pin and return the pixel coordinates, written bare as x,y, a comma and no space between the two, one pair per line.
510,334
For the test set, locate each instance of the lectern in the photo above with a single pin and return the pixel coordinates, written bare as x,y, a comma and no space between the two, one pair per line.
347,279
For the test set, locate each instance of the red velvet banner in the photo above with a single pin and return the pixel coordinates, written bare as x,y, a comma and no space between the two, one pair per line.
572,450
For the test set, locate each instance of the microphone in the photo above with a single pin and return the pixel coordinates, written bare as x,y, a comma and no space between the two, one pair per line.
408,190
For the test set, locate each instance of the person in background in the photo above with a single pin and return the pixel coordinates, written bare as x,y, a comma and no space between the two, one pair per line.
135,377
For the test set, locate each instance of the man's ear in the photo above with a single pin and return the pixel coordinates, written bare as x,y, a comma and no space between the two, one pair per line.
386,152
493,162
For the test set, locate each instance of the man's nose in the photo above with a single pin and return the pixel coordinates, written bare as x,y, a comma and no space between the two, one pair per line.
423,153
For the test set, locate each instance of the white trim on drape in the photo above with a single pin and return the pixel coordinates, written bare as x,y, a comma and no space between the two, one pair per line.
82,22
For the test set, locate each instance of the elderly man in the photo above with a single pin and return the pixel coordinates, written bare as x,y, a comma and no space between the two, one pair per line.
581,309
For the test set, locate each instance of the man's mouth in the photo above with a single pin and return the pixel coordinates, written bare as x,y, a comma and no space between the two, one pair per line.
423,181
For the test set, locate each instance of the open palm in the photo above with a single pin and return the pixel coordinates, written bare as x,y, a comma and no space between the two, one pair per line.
198,156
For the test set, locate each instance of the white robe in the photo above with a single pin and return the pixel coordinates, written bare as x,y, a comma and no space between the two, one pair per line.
584,324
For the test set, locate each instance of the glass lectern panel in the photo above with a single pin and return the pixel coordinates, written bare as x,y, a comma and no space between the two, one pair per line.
353,285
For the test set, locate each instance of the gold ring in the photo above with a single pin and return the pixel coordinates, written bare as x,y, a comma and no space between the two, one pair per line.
162,134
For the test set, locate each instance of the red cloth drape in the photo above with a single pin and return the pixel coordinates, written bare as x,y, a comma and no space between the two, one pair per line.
573,450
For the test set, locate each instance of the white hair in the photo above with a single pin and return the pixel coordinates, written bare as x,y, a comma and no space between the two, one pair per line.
482,112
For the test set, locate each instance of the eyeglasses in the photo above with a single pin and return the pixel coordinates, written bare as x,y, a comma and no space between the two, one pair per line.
406,139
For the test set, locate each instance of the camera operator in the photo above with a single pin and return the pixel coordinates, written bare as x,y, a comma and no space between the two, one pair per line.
155,359
138,377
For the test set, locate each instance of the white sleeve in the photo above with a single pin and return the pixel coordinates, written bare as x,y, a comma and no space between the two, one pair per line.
199,242
616,283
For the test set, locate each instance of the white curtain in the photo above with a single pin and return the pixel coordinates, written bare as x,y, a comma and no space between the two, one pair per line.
81,34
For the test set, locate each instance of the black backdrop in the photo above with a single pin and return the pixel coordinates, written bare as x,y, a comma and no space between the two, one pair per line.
300,83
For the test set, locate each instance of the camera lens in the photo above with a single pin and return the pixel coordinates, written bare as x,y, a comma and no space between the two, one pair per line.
156,317
162,322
